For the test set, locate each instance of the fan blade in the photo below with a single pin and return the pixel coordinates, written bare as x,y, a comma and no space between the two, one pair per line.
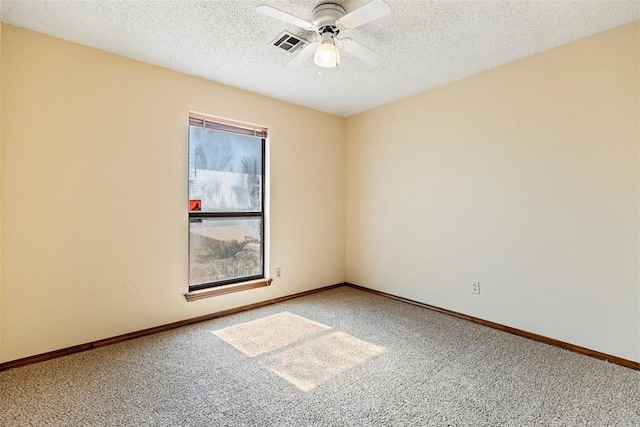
361,52
371,11
303,56
284,16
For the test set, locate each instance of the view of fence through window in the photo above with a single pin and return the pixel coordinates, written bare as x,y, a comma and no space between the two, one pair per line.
226,217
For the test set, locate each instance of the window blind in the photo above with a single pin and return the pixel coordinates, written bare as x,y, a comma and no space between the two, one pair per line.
224,127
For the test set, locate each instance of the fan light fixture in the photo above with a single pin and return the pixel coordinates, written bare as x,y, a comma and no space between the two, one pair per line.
329,19
327,55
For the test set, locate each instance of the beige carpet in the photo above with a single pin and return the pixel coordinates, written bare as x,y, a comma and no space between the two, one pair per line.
316,353
269,333
342,357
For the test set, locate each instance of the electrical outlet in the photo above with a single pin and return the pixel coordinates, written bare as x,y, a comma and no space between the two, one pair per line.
475,287
278,272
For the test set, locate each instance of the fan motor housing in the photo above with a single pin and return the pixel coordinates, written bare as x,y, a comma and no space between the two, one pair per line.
326,15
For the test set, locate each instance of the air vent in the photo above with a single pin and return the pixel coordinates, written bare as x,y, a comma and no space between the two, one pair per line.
289,42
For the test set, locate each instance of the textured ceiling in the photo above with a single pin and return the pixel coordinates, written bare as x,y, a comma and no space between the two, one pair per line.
424,43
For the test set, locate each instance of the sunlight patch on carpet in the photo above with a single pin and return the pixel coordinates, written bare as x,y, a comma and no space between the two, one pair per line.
308,365
269,333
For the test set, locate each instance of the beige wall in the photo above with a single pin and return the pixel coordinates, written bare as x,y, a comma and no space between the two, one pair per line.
1,191
524,178
94,202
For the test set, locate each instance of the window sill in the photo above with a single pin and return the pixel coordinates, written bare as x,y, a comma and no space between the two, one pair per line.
227,289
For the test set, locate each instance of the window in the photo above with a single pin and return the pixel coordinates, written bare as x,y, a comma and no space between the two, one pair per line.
226,203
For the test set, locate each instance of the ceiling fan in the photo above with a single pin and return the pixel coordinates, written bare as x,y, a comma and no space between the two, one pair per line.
329,19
